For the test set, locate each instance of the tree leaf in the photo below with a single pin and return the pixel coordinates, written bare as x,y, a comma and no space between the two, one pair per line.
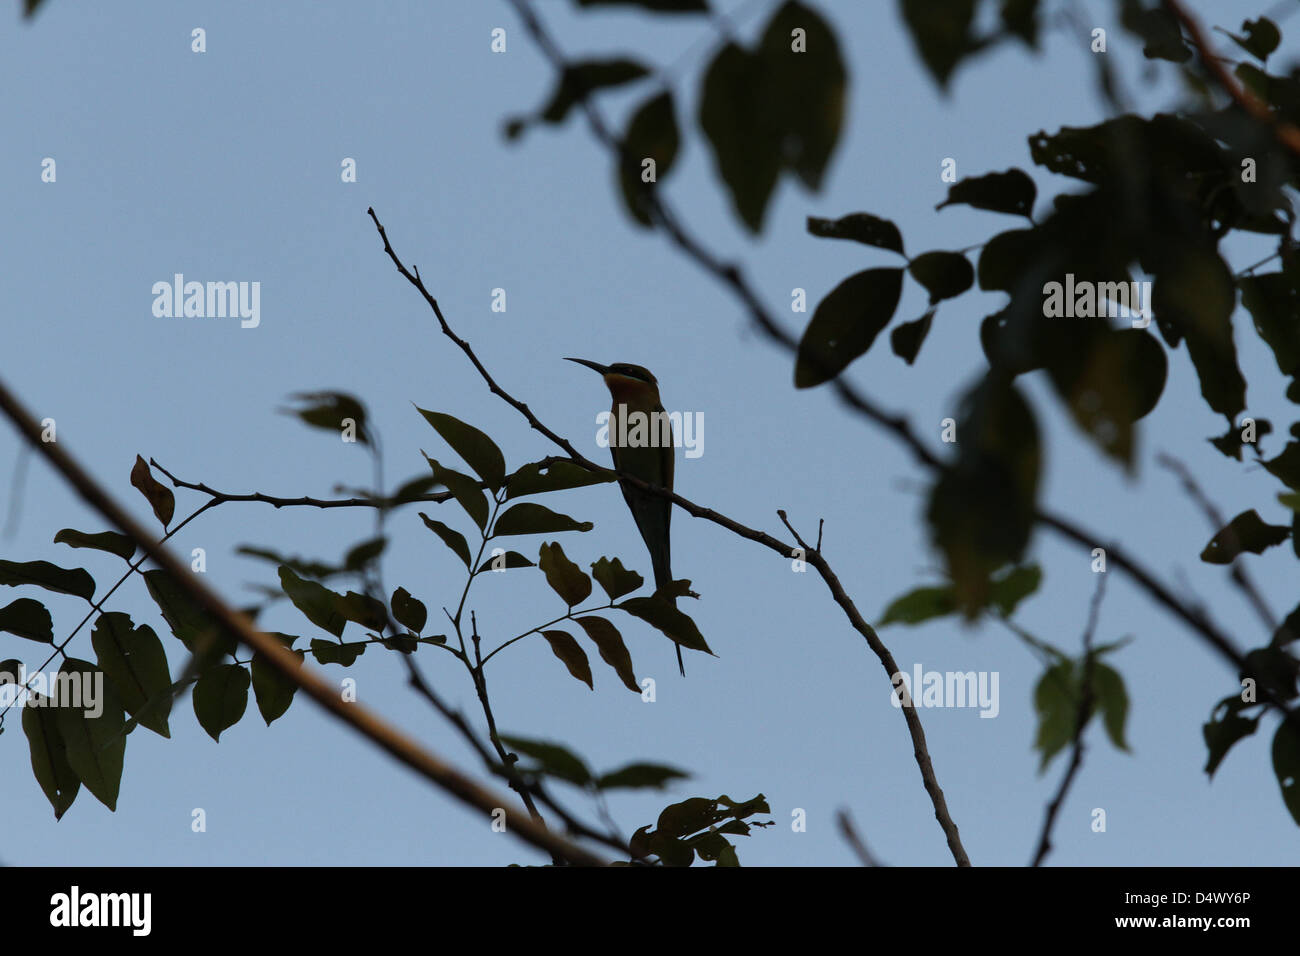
918,605
27,618
159,496
187,620
573,657
221,697
504,561
331,412
860,227
1014,586
640,776
535,478
1005,258
95,742
135,663
1112,700
464,489
529,518
612,649
51,577
49,755
1012,192
327,652
945,275
1286,765
906,339
478,450
583,77
410,612
651,134
733,116
552,759
845,323
1056,702
272,690
670,620
1246,532
110,541
566,579
363,609
614,578
1225,727
318,603
941,30
450,537
362,555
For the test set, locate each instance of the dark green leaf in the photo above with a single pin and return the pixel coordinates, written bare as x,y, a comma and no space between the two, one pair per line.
28,618
94,737
845,324
745,143
364,554
641,776
1246,532
1225,727
42,574
860,227
906,339
478,450
612,649
272,690
464,489
1286,764
945,275
504,560
221,697
188,622
1055,701
410,612
529,518
318,603
651,135
941,30
565,578
302,566
134,661
337,412
110,541
450,537
1012,192
584,77
614,578
533,478
1159,29
919,605
1286,466
1021,18
1112,378
552,759
1005,258
1013,587
363,609
49,755
327,652
573,657
668,619
1261,39
159,496
1111,699
1194,293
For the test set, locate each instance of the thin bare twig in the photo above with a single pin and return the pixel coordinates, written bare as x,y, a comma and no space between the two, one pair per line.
855,842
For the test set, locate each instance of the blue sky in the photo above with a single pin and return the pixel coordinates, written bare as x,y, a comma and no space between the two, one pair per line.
226,165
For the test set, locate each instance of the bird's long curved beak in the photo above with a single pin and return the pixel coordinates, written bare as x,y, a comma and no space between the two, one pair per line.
602,369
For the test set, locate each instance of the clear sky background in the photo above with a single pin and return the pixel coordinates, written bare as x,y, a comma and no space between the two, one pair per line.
226,166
